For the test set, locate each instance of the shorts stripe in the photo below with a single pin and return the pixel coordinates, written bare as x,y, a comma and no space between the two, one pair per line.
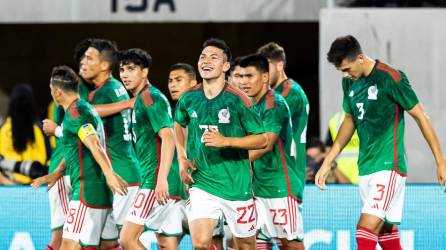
390,190
145,202
76,221
82,218
151,203
60,193
64,196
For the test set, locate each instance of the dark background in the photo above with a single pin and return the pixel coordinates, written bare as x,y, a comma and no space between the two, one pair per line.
29,51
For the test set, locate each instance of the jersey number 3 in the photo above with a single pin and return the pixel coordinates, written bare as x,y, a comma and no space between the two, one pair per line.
360,106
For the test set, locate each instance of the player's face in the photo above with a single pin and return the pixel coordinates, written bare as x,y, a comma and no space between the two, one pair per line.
179,82
212,63
90,64
273,72
352,69
253,81
236,77
132,75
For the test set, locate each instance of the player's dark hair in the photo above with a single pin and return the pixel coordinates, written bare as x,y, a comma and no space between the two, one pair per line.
345,47
80,49
315,142
136,56
107,49
22,111
273,52
255,60
186,67
234,63
65,78
218,43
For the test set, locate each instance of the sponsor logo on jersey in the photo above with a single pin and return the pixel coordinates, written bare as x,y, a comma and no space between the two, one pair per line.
373,93
194,114
351,93
224,115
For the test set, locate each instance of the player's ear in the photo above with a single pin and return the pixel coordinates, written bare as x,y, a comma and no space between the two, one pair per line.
280,65
265,77
360,58
193,83
105,66
145,72
226,66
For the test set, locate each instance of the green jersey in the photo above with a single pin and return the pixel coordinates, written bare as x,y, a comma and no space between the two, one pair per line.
274,175
86,177
299,108
117,128
151,113
223,172
57,153
377,103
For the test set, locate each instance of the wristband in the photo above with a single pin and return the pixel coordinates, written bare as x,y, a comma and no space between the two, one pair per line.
58,132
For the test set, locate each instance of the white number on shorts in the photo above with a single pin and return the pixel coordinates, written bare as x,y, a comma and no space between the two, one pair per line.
244,211
282,214
360,106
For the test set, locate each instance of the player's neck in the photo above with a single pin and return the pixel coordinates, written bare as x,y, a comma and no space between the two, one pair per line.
369,64
101,78
213,87
280,80
262,93
140,87
68,100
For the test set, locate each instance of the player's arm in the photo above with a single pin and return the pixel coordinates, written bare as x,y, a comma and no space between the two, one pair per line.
52,178
213,138
428,131
89,138
345,133
167,149
257,153
109,109
183,161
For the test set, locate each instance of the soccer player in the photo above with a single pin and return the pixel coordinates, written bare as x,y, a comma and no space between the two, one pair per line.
375,98
234,77
275,184
153,136
223,128
297,102
96,69
86,161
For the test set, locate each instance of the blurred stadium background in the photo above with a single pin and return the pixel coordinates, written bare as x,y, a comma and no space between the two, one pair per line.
410,35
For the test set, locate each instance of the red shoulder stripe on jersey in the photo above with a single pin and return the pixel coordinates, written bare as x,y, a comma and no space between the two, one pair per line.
74,112
269,100
395,74
146,97
196,87
286,87
240,94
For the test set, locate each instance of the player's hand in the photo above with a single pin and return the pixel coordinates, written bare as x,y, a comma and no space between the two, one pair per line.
49,127
213,138
441,172
162,191
131,102
321,175
186,167
50,179
117,184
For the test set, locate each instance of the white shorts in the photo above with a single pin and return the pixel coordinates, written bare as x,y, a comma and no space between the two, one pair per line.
174,220
279,218
84,224
59,197
121,207
239,215
146,210
382,195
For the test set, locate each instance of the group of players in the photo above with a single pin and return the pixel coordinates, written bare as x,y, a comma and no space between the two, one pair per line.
232,152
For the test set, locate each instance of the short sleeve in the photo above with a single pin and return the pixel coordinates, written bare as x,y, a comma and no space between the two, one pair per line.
159,113
345,103
274,117
181,115
402,92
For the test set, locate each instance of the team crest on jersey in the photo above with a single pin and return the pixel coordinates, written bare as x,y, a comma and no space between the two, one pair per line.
224,115
373,93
